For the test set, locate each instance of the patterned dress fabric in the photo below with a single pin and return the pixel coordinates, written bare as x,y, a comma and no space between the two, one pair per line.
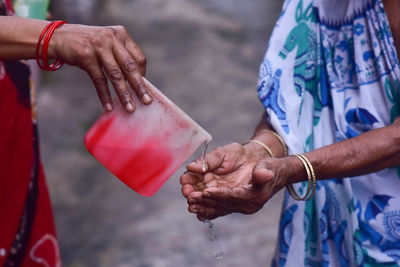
331,73
27,232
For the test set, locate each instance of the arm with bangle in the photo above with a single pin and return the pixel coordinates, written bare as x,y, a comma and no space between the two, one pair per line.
105,53
369,152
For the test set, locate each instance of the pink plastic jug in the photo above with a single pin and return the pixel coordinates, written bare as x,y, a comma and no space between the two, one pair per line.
145,148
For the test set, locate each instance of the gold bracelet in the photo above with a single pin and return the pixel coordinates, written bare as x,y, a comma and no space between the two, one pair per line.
311,180
261,144
281,141
314,178
290,188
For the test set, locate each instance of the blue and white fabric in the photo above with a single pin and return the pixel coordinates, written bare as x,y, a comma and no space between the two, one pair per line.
331,73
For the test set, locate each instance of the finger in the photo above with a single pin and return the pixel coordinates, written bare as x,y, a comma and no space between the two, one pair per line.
194,195
186,178
117,79
208,202
132,72
234,196
122,36
192,208
191,178
187,189
261,175
213,160
137,54
206,213
100,82
197,166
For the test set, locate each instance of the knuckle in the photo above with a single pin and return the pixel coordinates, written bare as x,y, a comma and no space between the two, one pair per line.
98,42
115,75
130,65
100,82
121,30
103,36
117,31
142,60
123,93
110,30
85,53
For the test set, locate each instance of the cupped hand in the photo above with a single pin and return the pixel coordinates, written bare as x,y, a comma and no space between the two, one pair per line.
105,53
227,166
266,178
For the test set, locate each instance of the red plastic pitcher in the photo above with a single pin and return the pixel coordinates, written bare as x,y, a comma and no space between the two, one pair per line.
145,148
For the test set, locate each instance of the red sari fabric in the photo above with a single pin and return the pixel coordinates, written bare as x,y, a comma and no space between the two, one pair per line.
27,232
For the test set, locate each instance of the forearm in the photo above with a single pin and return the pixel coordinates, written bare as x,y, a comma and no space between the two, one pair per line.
366,153
19,36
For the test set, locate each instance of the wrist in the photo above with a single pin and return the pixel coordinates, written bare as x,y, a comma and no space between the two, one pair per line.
56,43
273,141
295,171
255,151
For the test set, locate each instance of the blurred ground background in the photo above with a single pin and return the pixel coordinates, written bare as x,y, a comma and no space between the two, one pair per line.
204,55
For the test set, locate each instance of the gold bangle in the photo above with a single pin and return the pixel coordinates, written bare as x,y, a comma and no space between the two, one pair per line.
311,180
281,141
290,188
261,144
314,178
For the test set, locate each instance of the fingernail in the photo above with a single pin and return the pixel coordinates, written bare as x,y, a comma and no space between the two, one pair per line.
146,98
193,210
108,106
191,201
129,107
193,163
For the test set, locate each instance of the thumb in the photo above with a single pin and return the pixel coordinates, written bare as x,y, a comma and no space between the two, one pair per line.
261,175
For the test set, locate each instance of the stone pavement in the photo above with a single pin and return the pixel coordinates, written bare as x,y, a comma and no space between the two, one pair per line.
204,55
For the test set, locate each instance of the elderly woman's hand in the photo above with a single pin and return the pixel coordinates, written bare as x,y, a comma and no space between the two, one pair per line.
104,52
228,168
265,180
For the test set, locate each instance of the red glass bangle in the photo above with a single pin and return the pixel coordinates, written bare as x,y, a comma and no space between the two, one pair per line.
47,34
39,43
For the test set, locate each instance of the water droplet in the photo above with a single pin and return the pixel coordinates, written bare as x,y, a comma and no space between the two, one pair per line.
219,255
210,224
204,167
213,238
2,252
203,156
